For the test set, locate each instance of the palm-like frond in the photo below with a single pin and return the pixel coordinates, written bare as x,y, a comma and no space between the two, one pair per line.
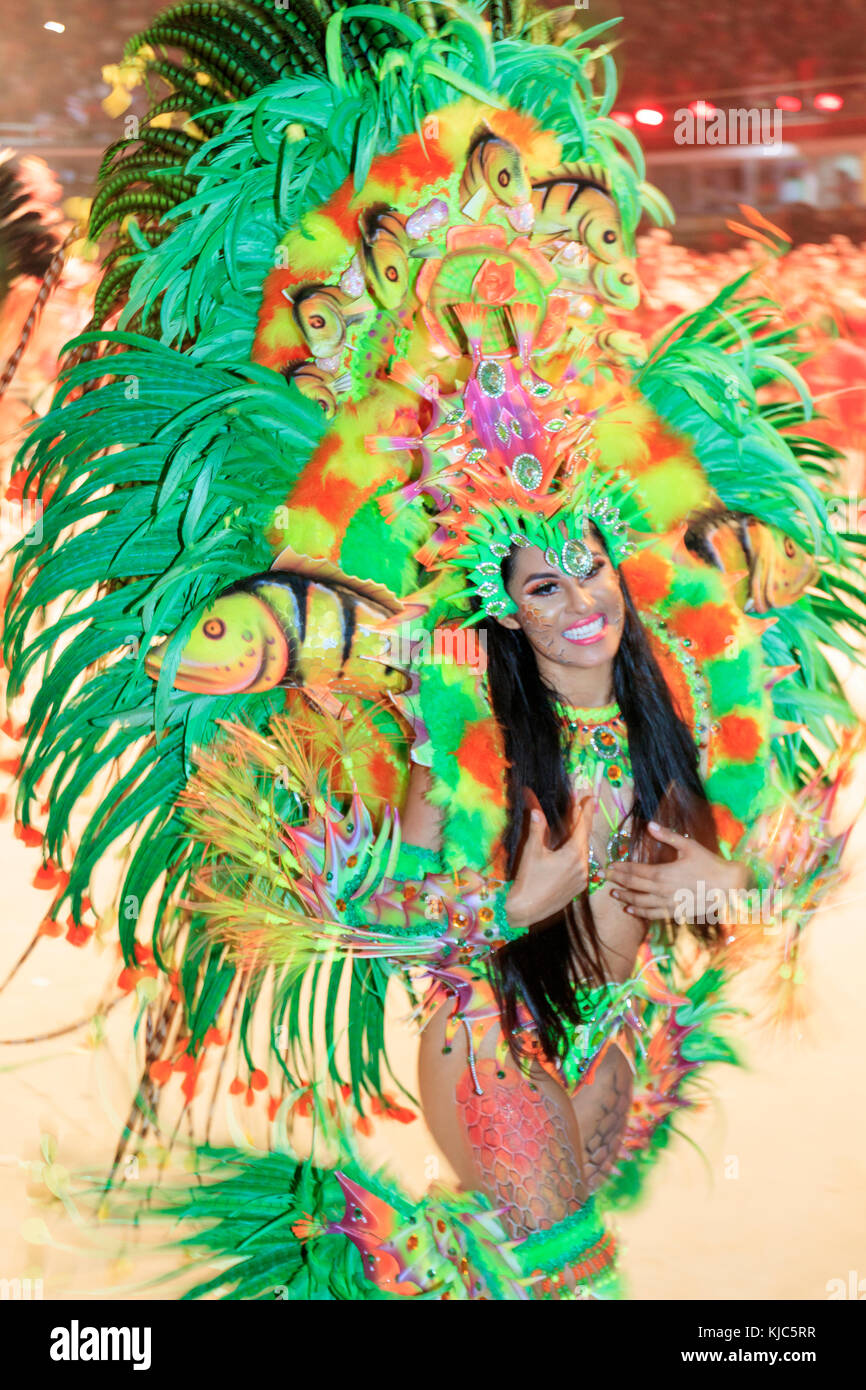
140,531
703,377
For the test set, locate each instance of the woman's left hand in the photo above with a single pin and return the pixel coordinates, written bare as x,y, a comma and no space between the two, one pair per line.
670,890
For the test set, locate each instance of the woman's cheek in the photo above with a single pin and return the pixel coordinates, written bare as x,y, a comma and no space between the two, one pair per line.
610,602
534,618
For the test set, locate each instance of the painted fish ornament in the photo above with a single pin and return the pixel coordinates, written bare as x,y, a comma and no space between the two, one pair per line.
616,284
315,383
318,313
778,570
284,629
569,205
385,256
495,171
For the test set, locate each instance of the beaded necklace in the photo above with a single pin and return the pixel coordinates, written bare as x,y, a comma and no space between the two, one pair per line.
597,757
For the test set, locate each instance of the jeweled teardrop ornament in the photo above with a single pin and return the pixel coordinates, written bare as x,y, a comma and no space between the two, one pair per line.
605,742
576,558
618,846
527,472
491,379
596,874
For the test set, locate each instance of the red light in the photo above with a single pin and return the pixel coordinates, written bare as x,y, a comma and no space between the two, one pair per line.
622,117
789,103
647,115
828,101
702,108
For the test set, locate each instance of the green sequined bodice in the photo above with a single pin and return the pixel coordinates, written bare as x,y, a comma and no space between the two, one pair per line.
598,763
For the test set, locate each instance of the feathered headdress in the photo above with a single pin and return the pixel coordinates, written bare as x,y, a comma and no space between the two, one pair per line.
350,247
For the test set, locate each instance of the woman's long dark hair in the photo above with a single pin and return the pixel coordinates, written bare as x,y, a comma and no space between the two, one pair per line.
549,969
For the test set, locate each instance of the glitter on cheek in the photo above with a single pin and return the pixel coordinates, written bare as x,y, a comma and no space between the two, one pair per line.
534,617
538,626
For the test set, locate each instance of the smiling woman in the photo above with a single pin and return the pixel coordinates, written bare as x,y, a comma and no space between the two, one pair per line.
595,751
379,376
573,625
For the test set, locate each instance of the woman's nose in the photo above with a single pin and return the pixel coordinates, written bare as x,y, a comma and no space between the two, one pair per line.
580,598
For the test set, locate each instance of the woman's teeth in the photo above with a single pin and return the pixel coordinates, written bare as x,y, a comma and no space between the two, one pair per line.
585,632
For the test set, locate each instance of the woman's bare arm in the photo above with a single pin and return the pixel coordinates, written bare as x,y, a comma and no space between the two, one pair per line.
421,820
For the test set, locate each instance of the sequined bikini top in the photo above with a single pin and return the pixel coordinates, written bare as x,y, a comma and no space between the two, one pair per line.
598,762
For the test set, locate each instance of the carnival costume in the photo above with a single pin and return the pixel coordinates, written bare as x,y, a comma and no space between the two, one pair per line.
374,284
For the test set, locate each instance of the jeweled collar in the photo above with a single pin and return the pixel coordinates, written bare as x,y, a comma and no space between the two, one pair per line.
591,717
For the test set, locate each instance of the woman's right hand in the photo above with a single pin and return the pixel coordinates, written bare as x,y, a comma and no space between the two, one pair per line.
547,879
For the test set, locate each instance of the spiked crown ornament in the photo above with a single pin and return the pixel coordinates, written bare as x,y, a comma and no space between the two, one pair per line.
511,461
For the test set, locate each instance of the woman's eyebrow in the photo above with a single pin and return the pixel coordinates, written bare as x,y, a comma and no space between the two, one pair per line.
551,574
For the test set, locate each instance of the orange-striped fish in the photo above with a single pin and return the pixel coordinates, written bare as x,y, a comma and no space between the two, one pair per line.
318,311
494,170
569,205
285,629
316,385
385,256
779,570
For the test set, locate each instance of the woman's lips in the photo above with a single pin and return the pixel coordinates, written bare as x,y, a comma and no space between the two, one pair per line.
590,630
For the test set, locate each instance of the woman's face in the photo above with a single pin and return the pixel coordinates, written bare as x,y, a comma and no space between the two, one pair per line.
567,621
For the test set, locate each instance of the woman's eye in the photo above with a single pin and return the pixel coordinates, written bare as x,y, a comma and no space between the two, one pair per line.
543,590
